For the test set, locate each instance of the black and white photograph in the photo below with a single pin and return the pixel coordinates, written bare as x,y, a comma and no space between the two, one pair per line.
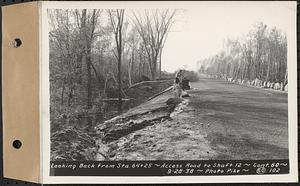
208,82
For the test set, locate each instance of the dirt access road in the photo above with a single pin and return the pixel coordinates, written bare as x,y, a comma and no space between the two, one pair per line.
221,120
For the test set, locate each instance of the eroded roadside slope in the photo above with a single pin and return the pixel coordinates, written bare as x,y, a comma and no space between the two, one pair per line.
159,129
113,131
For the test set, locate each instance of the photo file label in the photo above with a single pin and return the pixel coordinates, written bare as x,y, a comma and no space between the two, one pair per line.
169,168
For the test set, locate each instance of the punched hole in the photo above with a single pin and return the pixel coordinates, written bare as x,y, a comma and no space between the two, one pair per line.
17,144
17,42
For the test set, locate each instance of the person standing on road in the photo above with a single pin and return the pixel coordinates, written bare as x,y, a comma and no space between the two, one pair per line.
183,84
180,77
177,90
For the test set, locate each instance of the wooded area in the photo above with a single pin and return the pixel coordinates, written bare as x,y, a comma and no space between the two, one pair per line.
96,55
261,55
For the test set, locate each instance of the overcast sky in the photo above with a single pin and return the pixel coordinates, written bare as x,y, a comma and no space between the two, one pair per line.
201,27
199,32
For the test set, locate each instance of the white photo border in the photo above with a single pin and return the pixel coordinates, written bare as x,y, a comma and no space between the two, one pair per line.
45,98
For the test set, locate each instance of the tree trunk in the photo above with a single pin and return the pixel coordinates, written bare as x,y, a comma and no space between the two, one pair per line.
285,77
87,53
89,79
62,93
71,94
119,69
159,70
153,69
129,73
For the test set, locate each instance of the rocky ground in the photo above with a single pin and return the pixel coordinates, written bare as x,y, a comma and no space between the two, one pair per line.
220,120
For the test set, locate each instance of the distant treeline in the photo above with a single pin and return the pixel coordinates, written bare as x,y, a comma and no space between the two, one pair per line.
261,54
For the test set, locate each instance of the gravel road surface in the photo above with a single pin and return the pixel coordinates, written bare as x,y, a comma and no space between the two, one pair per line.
220,120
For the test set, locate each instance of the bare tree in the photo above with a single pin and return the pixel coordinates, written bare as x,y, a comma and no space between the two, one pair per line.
116,19
153,28
88,23
132,43
63,41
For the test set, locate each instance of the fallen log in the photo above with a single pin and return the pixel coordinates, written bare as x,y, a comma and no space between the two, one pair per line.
145,82
154,96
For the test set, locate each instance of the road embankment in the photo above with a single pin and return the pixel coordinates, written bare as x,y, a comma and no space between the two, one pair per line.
156,109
